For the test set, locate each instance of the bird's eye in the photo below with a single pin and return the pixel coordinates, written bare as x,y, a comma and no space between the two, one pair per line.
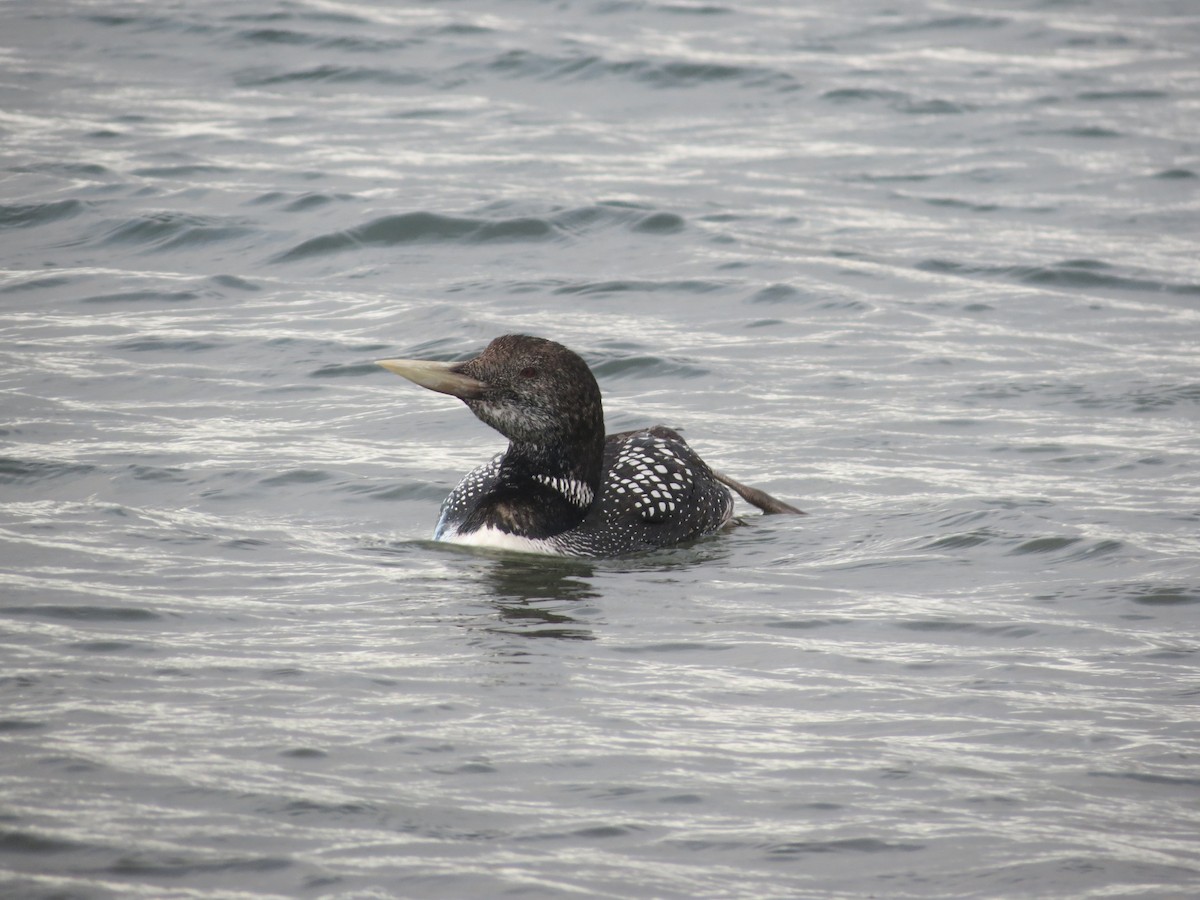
529,372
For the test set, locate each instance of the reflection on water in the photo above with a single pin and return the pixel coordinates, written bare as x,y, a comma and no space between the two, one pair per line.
530,595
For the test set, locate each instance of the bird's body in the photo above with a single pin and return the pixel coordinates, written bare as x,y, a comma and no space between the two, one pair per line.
562,487
655,492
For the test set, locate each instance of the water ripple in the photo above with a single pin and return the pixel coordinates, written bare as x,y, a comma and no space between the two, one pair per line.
1075,273
429,227
32,214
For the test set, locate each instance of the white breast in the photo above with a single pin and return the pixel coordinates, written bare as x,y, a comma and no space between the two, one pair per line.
496,539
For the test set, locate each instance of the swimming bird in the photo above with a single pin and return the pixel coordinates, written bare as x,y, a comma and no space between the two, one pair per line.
562,487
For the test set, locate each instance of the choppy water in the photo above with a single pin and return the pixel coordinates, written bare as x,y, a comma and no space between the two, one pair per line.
929,270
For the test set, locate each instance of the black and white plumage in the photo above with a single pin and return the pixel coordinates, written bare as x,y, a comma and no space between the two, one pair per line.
562,487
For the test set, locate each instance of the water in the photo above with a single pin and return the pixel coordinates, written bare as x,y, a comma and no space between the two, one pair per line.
928,270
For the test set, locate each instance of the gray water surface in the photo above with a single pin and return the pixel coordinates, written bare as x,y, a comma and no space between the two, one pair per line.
928,270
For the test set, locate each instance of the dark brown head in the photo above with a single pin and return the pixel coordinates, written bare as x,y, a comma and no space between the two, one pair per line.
533,391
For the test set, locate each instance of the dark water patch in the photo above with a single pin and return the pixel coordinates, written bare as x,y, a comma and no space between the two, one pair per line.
111,20
21,681
284,36
269,197
862,95
646,367
699,74
1089,132
349,370
148,22
304,753
660,223
1141,399
955,203
1097,548
30,842
431,112
689,286
934,107
173,866
888,178
961,541
519,229
143,297
470,768
32,471
526,64
429,227
294,37
188,171
1176,174
36,284
170,231
202,235
69,170
294,203
328,73
391,491
1083,551
1029,448
582,219
9,726
652,73
545,631
1044,545
245,544
457,29
709,845
296,808
284,672
603,832
674,647
421,227
170,345
1165,596
302,14
1075,273
297,476
965,21
898,101
111,646
156,473
946,626
591,832
1164,396
83,613
846,845
233,282
1171,781
311,201
684,9
28,215
1131,94
808,624
845,304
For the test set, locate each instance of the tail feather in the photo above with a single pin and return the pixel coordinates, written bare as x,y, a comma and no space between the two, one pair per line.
761,499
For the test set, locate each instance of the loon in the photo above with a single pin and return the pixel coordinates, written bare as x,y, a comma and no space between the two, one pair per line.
562,487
